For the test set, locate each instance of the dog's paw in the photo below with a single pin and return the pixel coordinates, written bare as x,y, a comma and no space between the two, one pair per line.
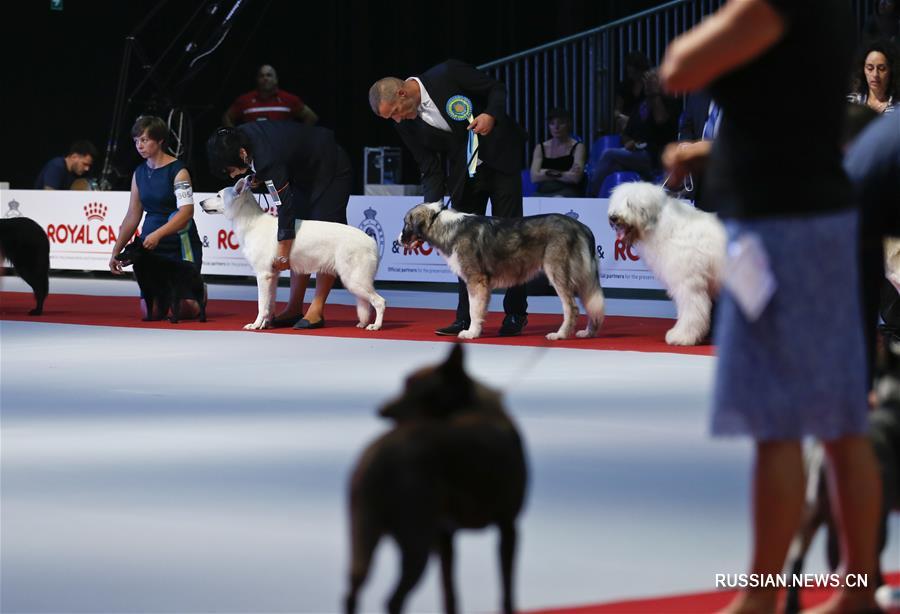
584,334
677,337
373,327
467,334
258,325
556,336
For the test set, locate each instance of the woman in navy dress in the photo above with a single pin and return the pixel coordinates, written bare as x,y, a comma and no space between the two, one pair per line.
161,188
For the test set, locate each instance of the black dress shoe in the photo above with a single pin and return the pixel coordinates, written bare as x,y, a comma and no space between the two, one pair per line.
454,329
305,324
284,321
513,325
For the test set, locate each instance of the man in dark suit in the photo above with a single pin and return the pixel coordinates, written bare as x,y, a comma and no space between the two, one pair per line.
436,112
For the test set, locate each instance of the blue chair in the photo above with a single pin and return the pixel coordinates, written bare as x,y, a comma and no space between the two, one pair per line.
528,187
614,179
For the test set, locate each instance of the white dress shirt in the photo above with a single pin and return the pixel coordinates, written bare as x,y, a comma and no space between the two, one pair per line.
428,111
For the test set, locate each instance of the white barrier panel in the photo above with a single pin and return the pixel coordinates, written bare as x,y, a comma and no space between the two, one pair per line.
82,228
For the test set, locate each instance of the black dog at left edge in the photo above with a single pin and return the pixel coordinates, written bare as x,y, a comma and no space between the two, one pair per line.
25,244
163,282
453,460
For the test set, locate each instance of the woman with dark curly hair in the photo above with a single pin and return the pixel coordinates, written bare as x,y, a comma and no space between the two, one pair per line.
874,82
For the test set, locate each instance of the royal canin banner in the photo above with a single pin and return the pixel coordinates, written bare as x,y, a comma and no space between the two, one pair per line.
83,225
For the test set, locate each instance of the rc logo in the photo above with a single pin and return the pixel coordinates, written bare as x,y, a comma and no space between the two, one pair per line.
373,228
418,250
13,209
95,211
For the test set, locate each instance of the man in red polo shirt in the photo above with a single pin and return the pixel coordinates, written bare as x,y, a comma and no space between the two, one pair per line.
267,102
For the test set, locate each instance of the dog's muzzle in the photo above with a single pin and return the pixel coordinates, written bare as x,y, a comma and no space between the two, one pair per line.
213,205
624,232
409,240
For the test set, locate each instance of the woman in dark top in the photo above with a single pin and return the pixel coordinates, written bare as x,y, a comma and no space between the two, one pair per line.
161,188
875,83
311,174
557,166
791,361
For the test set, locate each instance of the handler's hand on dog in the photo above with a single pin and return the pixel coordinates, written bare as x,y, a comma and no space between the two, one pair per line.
279,265
151,241
115,266
483,124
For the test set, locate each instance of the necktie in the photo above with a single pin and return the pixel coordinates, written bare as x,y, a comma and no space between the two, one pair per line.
472,150
712,119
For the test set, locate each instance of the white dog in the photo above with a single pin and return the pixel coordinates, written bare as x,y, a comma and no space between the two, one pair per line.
319,247
683,247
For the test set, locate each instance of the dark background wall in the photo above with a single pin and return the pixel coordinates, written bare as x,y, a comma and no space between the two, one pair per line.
62,67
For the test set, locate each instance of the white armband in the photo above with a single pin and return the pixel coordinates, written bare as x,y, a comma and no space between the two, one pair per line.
184,193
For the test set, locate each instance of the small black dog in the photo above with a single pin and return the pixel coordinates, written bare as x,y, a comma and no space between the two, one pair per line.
884,433
164,282
454,460
25,244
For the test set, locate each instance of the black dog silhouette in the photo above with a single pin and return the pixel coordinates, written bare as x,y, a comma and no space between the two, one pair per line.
454,460
164,282
25,244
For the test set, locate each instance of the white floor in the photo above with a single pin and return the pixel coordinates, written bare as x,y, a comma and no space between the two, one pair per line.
192,471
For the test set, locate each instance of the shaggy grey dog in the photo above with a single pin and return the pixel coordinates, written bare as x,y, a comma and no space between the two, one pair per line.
492,253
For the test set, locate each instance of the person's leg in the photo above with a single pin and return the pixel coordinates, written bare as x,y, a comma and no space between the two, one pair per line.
316,311
778,491
190,309
606,165
294,306
855,487
474,200
506,202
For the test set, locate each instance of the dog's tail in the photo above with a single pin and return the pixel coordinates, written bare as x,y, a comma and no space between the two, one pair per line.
595,306
592,294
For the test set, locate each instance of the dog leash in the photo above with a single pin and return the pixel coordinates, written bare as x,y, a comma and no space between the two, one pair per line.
526,366
687,184
465,175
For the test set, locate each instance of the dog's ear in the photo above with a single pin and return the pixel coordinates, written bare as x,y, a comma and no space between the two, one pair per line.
240,185
454,362
459,384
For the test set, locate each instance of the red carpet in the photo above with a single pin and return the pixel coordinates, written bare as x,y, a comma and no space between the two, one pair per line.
617,333
697,603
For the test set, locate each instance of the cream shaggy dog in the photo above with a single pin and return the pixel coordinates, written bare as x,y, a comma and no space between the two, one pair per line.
319,247
683,247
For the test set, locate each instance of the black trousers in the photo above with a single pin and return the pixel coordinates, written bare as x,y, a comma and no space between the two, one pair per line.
505,192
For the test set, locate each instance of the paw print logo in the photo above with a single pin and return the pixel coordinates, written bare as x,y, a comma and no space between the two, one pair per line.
95,211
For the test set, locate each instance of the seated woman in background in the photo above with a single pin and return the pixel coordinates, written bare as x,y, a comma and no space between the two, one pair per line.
161,188
557,166
874,84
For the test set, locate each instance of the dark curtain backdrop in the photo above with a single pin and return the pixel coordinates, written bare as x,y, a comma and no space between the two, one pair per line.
62,68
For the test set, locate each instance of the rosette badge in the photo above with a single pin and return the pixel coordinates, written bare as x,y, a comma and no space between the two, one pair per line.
459,108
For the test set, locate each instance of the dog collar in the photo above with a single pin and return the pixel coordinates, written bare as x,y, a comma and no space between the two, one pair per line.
434,217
